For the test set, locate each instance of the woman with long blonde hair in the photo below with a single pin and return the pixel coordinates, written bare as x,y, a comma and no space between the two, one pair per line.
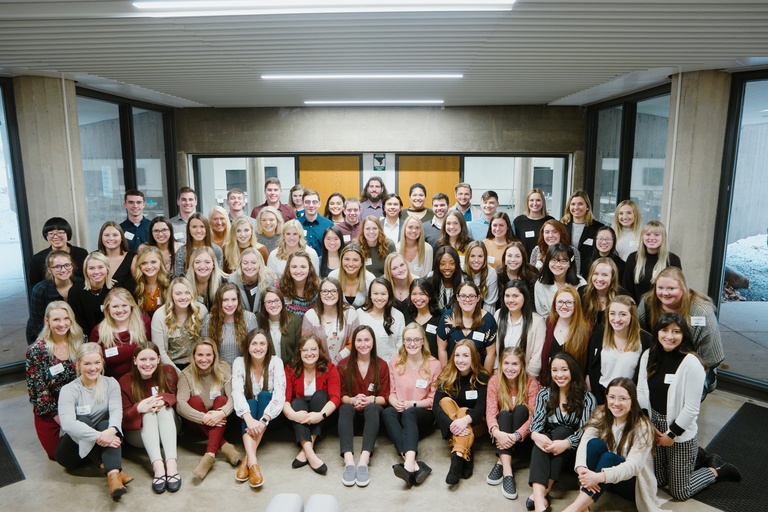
352,275
291,240
602,286
413,248
269,226
459,407
151,279
413,374
652,256
508,408
204,399
242,236
87,299
528,225
177,324
252,277
627,224
205,275
220,226
123,328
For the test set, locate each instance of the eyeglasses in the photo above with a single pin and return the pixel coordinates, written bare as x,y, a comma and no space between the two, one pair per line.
307,201
604,239
160,231
412,341
59,268
620,399
56,234
564,303
273,302
466,297
329,292
559,262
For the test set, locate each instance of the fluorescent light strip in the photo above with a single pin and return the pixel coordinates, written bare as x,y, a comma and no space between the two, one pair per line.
359,77
374,102
260,7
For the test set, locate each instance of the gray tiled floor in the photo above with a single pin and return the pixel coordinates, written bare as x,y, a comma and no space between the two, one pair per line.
48,487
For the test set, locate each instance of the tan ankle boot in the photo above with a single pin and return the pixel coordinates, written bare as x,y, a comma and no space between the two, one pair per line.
231,454
203,467
116,487
125,478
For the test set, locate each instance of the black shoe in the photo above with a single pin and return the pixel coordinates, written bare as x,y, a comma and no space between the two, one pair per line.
712,460
405,475
159,484
469,468
728,473
173,482
296,464
701,459
454,473
321,469
530,505
508,488
422,473
496,475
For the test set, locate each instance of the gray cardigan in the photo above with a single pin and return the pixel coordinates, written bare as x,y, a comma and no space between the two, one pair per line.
75,396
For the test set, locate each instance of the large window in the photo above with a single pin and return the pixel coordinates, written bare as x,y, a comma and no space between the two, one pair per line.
13,290
123,146
626,153
740,261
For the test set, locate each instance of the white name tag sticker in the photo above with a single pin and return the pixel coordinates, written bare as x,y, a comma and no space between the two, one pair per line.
478,336
254,291
347,238
431,329
154,390
178,236
83,410
369,261
491,259
422,383
669,378
305,233
370,387
101,308
214,394
129,236
159,301
200,299
471,394
698,321
461,261
530,234
56,369
589,241
633,243
110,352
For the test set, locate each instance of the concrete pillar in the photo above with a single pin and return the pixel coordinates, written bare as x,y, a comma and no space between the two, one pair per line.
255,179
46,109
697,124
523,183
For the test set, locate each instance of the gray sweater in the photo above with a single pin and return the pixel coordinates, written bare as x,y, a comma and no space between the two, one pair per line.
77,401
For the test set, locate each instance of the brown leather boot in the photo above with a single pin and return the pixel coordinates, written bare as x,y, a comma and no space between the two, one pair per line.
125,478
242,471
116,487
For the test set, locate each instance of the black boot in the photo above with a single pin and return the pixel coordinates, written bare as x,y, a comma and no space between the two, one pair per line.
469,467
457,465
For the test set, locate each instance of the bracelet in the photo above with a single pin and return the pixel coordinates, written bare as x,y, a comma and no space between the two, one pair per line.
414,405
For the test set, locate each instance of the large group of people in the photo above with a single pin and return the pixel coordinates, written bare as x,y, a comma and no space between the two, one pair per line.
566,339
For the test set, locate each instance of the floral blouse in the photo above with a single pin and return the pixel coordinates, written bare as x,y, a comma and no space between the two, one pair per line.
46,375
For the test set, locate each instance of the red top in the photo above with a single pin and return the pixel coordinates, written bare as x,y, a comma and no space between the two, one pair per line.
362,385
131,416
327,381
117,365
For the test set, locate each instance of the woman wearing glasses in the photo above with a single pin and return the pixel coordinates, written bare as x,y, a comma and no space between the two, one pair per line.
161,236
57,232
559,269
283,327
468,320
58,282
331,320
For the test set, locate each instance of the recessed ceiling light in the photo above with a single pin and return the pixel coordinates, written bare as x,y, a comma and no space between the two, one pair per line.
374,102
362,77
180,8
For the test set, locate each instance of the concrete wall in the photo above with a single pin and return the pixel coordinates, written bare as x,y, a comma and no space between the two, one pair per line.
693,167
46,109
523,129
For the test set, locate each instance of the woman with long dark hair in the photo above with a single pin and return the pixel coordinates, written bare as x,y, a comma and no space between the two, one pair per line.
498,237
520,326
422,309
364,392
333,243
561,410
300,283
228,323
446,276
669,389
387,322
515,266
331,320
258,391
559,270
478,270
161,236
198,235
374,244
122,262
313,392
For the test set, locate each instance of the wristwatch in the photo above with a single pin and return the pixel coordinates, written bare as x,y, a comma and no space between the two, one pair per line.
671,435
265,420
325,415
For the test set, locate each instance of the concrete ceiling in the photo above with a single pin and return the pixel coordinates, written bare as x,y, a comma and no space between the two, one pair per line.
568,52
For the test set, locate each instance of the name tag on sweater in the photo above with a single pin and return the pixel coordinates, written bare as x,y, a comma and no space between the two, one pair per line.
698,321
471,394
56,369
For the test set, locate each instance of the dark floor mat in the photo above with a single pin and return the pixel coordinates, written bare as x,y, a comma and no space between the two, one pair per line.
742,442
10,471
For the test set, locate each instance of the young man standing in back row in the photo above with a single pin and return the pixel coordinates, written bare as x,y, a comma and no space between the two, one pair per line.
272,191
136,226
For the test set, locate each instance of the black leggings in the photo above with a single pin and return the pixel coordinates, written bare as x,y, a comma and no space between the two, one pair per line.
68,451
314,404
545,466
510,421
349,417
406,428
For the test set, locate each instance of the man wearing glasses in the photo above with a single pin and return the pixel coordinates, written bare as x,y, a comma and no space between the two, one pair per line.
57,232
313,223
